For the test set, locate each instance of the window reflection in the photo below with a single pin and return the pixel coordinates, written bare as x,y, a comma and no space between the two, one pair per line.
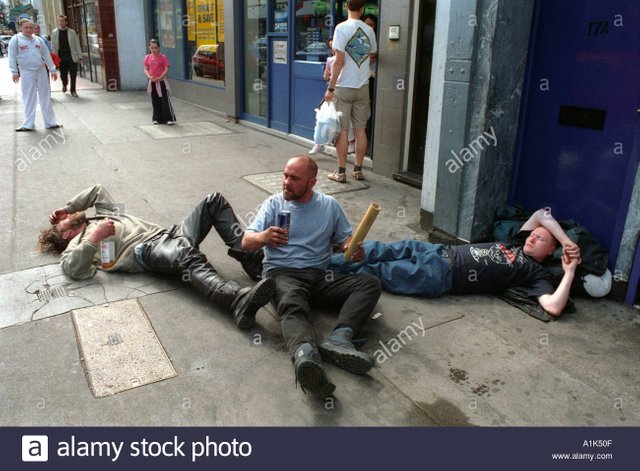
205,38
313,28
255,57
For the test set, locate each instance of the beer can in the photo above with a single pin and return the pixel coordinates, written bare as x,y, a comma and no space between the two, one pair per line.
284,220
107,254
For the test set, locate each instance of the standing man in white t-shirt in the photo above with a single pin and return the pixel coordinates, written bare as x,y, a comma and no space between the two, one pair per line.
354,43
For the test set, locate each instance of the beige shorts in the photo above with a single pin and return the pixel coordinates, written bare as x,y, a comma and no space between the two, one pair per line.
354,105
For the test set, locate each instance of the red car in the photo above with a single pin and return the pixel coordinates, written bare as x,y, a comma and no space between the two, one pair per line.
208,61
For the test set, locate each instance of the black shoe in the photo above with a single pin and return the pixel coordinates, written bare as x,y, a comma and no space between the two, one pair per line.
74,94
23,129
64,89
249,300
57,126
310,373
251,262
339,350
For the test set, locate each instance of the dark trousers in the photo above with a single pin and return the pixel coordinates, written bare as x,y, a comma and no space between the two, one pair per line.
162,109
68,68
297,289
177,251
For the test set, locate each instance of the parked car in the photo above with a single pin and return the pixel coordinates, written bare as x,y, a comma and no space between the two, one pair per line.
317,52
208,61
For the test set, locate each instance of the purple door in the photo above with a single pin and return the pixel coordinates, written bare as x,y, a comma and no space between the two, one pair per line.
576,150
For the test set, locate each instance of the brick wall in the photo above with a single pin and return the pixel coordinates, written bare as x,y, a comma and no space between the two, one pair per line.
106,24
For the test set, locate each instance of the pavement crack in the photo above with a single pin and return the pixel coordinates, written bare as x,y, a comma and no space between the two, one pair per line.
443,323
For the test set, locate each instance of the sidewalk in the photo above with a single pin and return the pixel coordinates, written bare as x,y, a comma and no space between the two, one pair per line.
470,360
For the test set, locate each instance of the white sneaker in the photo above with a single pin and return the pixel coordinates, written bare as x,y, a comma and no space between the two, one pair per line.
317,148
155,122
170,123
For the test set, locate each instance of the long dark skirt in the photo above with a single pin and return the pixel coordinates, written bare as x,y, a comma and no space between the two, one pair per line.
162,109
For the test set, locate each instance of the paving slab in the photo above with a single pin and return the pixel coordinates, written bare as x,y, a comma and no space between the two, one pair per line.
181,130
40,292
135,105
272,183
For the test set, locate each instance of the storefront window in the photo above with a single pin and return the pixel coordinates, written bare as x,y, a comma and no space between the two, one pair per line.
168,16
93,43
255,57
313,29
82,19
280,16
205,39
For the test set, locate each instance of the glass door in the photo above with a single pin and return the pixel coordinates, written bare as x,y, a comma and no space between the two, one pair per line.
255,58
93,44
313,26
279,67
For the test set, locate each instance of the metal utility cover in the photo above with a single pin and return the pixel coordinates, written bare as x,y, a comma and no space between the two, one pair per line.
272,183
119,348
201,128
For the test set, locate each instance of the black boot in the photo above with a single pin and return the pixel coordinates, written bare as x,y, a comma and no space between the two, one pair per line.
339,350
251,262
249,300
310,373
242,303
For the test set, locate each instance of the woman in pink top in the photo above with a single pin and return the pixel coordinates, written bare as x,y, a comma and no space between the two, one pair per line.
156,68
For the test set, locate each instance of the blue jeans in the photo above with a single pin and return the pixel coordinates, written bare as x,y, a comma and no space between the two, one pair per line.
409,267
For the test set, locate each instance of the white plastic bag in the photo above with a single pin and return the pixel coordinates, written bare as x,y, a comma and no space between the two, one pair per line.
327,124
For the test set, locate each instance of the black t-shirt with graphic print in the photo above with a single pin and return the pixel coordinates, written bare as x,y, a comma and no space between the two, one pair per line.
490,268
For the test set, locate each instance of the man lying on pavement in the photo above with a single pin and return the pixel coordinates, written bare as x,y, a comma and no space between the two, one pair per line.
420,268
140,246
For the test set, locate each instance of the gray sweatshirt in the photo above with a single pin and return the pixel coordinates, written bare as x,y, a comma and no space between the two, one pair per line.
29,54
81,258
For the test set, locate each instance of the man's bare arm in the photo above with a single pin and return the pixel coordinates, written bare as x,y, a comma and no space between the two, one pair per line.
335,74
555,303
543,217
273,237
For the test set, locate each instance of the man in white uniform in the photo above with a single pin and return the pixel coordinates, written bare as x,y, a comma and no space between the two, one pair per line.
27,58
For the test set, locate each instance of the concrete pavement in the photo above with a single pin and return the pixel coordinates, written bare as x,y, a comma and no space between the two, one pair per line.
473,360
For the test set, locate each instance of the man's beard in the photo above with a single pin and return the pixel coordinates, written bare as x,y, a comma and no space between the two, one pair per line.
77,219
291,196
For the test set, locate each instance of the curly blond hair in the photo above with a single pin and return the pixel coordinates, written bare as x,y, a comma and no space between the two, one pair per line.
51,241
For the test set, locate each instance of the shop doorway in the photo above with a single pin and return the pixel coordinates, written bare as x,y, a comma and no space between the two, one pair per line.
579,115
285,44
82,18
413,162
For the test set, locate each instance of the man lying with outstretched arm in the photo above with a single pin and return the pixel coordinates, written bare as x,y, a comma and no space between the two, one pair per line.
420,268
